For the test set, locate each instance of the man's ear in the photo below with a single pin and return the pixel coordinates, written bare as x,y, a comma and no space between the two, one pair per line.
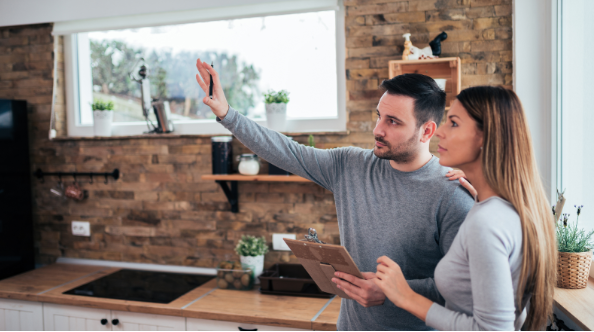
427,131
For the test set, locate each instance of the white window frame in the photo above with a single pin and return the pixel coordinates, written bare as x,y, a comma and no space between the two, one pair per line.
79,85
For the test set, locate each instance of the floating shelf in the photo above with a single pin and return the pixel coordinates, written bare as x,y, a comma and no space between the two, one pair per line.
232,193
261,178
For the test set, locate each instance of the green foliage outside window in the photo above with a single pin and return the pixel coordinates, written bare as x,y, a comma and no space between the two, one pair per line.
172,75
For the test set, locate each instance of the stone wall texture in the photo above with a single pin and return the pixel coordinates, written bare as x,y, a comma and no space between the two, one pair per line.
160,211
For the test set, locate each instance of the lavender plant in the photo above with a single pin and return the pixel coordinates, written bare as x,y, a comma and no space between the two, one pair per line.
570,238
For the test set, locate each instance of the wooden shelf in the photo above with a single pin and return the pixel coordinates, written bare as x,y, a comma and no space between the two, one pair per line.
261,178
448,68
577,304
228,183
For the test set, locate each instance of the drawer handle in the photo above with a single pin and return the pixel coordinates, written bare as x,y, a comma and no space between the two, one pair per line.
242,329
115,321
104,321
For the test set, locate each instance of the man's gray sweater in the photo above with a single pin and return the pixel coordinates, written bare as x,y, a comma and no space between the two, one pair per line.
411,217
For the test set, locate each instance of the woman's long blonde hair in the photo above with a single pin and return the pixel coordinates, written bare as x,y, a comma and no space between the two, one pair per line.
510,169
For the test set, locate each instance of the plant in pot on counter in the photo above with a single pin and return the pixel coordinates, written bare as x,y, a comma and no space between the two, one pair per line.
575,248
251,252
102,117
276,109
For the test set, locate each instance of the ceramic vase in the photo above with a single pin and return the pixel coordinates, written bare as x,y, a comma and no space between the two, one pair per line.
276,116
102,122
254,263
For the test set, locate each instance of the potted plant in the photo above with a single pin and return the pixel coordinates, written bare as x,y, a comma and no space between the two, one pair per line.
276,109
102,117
575,249
251,252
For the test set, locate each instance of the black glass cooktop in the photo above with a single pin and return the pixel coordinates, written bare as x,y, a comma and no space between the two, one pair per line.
144,286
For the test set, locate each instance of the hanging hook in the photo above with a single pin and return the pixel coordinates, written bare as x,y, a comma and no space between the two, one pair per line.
74,176
105,178
91,177
60,178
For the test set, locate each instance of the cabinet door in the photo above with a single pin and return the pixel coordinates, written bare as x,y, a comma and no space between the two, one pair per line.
69,318
195,324
133,321
20,315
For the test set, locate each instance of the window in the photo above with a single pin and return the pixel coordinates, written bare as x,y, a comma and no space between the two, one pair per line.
576,116
301,52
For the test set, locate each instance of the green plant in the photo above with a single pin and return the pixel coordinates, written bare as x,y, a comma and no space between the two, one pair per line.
251,246
101,105
569,237
272,97
310,141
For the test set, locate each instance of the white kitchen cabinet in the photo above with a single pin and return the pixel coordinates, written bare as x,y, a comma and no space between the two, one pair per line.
133,321
58,317
195,324
18,315
69,318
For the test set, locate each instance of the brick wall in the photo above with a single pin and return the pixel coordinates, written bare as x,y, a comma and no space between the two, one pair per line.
160,211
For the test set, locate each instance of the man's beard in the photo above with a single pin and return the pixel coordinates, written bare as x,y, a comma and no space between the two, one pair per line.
401,154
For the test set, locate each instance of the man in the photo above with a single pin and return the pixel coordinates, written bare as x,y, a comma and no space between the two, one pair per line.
393,200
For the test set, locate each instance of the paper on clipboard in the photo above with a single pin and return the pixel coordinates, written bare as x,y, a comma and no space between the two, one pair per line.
322,260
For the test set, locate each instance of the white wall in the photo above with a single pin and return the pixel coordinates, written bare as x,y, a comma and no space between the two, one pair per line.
19,12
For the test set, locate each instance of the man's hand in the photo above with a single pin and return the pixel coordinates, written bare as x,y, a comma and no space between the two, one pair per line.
218,104
365,292
458,174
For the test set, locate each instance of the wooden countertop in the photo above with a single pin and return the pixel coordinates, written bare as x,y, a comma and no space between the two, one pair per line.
47,284
578,304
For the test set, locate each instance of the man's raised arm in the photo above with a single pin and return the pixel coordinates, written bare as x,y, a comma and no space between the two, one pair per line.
319,166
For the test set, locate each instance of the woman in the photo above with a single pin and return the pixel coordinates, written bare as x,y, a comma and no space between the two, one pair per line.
505,251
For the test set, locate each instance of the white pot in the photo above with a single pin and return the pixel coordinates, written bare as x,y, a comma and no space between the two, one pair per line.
102,122
276,116
254,263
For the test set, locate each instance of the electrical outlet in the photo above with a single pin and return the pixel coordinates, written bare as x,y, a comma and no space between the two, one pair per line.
81,228
279,244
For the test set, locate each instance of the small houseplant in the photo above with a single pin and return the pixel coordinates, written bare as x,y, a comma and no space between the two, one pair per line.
251,252
574,246
102,117
276,109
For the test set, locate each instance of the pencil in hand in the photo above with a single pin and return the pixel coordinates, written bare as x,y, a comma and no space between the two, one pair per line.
211,83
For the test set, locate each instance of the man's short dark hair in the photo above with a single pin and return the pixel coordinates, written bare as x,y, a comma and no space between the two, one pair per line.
429,98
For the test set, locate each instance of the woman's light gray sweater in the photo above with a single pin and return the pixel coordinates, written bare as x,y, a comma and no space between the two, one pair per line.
411,217
479,275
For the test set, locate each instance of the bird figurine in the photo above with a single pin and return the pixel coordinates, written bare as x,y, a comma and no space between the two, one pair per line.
429,52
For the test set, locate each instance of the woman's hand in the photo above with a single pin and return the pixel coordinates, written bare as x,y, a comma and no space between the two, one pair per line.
390,279
458,174
218,104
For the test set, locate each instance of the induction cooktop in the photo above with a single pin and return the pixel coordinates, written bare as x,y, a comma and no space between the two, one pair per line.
143,286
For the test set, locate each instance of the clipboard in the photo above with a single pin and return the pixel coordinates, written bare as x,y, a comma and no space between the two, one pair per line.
322,260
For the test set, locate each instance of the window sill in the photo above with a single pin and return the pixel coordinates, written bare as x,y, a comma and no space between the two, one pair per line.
174,136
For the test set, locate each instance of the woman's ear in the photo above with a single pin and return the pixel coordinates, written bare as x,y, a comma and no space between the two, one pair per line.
480,138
